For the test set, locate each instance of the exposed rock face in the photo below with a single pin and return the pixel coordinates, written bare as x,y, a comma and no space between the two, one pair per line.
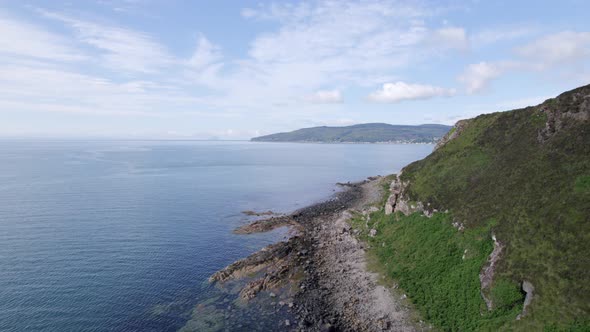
453,133
398,202
486,277
571,107
395,189
528,288
408,208
389,205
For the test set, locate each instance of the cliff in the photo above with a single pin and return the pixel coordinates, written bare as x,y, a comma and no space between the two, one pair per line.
505,202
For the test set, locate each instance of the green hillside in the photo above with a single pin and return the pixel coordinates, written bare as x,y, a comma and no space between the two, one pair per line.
362,133
521,175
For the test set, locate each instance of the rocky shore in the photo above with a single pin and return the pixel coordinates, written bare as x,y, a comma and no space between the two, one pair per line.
320,273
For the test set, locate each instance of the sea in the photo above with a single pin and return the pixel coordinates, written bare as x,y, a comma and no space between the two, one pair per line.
122,235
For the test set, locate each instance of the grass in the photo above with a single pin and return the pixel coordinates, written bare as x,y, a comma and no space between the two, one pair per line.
425,257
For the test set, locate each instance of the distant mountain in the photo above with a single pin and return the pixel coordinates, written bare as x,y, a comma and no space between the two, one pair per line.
362,133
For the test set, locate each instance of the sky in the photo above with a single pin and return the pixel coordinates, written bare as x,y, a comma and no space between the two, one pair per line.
224,69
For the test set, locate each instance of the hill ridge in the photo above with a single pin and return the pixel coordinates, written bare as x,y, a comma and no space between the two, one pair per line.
515,190
361,133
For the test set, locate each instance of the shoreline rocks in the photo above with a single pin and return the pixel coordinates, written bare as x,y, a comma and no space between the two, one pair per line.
323,268
265,225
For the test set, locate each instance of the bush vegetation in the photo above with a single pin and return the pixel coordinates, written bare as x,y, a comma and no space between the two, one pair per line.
438,268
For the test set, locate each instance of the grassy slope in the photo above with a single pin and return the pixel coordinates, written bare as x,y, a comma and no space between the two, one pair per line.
442,284
497,177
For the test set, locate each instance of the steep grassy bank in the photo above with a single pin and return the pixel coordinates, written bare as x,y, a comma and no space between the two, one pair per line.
523,175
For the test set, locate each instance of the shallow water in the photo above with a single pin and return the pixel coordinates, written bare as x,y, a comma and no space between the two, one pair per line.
122,235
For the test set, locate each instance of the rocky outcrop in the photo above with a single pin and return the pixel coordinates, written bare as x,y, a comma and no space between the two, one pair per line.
573,107
397,201
266,225
253,263
486,277
259,214
452,134
529,289
407,207
395,190
272,279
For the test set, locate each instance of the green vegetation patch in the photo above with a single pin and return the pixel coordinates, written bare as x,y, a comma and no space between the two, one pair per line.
438,268
506,295
582,184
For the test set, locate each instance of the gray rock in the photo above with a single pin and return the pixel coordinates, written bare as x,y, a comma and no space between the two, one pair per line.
529,289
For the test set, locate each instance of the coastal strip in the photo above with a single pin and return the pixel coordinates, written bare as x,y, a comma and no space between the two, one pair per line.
322,268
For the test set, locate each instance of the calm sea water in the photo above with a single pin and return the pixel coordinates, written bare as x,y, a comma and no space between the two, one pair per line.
121,236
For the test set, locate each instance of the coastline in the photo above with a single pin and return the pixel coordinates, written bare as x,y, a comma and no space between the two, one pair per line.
320,273
351,142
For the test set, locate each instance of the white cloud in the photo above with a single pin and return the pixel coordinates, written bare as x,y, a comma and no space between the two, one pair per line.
310,46
319,43
314,46
60,90
399,91
565,47
499,34
278,12
476,77
566,52
451,37
119,48
22,39
206,53
326,97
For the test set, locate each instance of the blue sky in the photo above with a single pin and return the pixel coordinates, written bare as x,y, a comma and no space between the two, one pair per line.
237,69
